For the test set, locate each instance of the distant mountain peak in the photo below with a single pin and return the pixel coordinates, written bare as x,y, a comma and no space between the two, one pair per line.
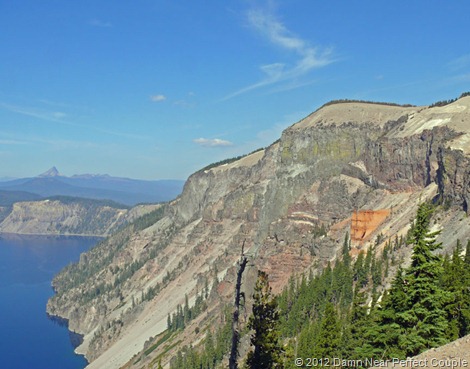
53,172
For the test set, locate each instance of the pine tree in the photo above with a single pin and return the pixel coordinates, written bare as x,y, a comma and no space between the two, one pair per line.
464,318
345,251
186,310
306,340
455,280
329,338
209,351
168,323
467,255
359,321
368,261
413,317
384,334
427,300
360,272
264,323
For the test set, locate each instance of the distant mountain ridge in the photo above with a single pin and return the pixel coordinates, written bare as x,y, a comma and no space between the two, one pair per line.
105,187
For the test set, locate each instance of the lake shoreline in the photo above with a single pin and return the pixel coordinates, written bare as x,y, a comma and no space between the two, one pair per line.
75,338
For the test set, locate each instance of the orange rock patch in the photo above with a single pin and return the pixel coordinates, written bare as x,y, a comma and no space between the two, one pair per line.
365,222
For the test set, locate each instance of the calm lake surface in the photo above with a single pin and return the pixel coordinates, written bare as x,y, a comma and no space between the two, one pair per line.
28,338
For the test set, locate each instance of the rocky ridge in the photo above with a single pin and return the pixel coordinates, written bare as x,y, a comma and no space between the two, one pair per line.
289,205
68,217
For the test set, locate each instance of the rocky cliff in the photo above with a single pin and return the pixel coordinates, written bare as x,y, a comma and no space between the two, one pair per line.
288,206
68,216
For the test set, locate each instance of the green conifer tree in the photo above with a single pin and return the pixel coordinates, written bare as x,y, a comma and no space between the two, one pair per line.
467,255
266,353
329,338
413,317
455,280
360,272
425,318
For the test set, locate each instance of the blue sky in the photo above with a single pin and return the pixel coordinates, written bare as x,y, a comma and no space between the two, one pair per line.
158,89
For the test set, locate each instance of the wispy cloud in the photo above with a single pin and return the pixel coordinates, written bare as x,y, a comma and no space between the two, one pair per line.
460,78
51,116
54,103
59,117
187,102
308,57
99,23
184,104
12,142
15,139
158,98
212,142
459,63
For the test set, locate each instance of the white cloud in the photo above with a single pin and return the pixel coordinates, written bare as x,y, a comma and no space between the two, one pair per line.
100,23
308,57
184,104
212,142
158,98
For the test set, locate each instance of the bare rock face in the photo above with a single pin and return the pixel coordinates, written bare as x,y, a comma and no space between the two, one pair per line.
453,177
289,207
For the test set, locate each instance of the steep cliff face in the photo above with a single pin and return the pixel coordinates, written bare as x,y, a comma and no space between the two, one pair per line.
77,217
453,177
288,206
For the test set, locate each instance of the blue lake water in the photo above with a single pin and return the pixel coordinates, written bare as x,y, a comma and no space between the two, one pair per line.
28,338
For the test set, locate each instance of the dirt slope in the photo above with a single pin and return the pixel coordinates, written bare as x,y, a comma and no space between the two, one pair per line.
453,355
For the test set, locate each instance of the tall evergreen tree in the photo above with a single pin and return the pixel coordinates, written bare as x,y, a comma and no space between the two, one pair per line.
456,281
427,300
209,351
467,255
264,323
360,272
329,338
413,317
345,251
384,334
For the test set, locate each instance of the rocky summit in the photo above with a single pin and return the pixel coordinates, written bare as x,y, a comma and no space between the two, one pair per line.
53,172
350,167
